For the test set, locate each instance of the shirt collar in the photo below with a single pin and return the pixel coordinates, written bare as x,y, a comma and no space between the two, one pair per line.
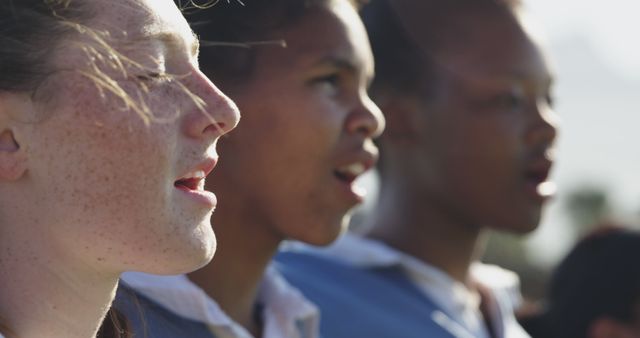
364,252
458,301
286,313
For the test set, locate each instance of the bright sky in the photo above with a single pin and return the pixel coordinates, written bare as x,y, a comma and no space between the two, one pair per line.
612,25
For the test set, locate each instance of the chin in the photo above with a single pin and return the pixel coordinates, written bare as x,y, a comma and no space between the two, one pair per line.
332,230
188,257
322,233
521,226
182,266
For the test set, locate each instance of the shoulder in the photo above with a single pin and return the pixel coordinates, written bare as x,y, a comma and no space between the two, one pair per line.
502,283
147,318
360,301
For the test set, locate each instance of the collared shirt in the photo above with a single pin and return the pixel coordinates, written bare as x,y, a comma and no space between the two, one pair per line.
285,312
461,304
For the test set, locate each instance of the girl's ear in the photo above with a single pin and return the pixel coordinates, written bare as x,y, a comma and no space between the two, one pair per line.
12,158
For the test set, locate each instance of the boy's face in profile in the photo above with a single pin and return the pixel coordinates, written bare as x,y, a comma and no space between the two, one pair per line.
487,132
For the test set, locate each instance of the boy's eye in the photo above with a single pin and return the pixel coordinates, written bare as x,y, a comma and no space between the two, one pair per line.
550,100
511,100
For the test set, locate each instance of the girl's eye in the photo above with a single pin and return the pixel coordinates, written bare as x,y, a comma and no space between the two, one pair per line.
154,77
329,82
331,79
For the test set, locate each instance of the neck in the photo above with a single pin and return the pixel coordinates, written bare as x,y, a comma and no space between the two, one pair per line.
409,221
233,278
44,294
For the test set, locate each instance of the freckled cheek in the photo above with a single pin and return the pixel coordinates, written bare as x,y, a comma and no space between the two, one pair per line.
136,159
98,159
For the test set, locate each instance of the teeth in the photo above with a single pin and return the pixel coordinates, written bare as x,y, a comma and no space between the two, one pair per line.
547,189
198,174
355,169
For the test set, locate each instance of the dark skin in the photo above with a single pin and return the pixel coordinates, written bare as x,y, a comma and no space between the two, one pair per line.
305,113
473,157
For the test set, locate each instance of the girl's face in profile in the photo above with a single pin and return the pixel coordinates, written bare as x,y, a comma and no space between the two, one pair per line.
308,128
112,191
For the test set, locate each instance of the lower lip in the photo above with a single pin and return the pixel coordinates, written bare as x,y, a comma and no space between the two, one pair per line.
540,191
201,196
354,193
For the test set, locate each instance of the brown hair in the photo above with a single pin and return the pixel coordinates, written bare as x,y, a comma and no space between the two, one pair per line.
115,325
29,31
3,328
404,67
230,33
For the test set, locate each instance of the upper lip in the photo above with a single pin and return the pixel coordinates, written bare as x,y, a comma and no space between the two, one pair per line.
538,169
197,173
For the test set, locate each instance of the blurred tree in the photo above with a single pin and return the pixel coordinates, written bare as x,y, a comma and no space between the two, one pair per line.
587,206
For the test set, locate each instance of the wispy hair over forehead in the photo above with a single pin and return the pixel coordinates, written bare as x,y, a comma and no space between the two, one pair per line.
232,32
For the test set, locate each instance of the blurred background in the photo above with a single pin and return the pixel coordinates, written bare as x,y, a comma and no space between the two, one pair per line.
596,55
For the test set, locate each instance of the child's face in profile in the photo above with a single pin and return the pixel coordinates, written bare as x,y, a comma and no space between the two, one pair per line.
308,125
489,131
118,192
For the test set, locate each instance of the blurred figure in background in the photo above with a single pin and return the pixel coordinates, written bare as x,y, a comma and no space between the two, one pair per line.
466,91
308,134
595,291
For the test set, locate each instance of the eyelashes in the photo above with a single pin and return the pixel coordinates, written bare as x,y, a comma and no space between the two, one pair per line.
517,101
154,77
330,79
332,84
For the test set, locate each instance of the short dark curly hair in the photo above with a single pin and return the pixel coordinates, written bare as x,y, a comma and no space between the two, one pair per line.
598,278
402,65
228,29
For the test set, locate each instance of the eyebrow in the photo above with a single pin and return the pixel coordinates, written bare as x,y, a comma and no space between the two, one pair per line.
169,38
337,62
344,64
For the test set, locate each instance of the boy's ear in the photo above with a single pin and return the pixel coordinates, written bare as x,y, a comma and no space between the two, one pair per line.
12,158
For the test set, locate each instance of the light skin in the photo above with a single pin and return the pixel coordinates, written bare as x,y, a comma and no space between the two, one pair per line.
475,156
307,117
113,193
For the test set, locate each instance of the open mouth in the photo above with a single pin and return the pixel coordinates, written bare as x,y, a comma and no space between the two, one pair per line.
350,173
537,176
538,180
193,181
